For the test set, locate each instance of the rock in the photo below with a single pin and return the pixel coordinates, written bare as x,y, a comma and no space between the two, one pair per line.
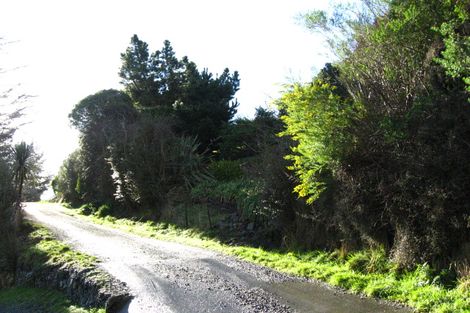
86,287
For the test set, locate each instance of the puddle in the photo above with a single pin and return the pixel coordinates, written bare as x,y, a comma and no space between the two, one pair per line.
308,297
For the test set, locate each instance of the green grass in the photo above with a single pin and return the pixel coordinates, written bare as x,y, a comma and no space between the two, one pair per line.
35,300
39,250
42,249
365,272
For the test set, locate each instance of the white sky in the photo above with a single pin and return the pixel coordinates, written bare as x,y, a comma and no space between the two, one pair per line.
67,50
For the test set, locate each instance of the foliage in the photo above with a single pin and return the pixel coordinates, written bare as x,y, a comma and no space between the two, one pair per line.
206,105
66,184
143,147
369,261
245,194
376,149
35,182
380,137
455,58
22,153
20,170
164,85
101,119
152,162
87,209
7,231
225,170
8,196
319,121
244,138
104,210
17,169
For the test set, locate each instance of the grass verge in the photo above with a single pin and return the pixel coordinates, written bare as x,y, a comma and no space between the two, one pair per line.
34,300
365,272
39,249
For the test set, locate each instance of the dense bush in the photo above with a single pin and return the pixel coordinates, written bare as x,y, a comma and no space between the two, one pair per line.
392,148
7,231
17,168
104,210
87,209
225,170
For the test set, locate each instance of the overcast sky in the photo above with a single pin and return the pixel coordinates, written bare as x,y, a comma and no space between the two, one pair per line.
63,51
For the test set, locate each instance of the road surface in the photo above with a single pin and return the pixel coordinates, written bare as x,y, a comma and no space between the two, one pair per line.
169,277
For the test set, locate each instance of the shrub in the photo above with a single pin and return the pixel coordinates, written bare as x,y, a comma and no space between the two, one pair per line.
225,170
87,209
103,211
244,194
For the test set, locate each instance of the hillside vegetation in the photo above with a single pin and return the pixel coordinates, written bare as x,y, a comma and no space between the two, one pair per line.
371,155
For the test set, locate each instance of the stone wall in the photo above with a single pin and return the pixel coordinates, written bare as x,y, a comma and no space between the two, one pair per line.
90,287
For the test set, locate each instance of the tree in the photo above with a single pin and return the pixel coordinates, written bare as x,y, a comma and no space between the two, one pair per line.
22,153
318,120
244,138
164,85
28,181
101,119
137,74
66,184
206,106
151,161
8,240
455,32
391,148
14,166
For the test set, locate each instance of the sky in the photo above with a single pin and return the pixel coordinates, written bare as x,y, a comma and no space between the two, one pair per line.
60,51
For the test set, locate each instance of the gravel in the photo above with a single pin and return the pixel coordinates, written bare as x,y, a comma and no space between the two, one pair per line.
170,277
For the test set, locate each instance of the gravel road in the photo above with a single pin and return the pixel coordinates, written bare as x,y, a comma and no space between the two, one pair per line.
170,277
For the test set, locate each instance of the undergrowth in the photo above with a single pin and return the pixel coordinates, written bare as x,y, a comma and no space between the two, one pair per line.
366,272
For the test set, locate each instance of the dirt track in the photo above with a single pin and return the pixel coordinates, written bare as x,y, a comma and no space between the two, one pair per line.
170,277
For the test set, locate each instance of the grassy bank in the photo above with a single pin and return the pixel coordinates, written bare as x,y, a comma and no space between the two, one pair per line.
39,249
33,300
364,272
